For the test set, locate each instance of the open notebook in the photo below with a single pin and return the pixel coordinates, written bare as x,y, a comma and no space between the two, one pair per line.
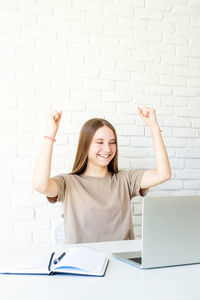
78,260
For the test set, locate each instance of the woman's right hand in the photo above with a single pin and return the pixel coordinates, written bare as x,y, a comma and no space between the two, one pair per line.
53,122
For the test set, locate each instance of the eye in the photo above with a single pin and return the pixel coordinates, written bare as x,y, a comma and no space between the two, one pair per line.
113,143
99,142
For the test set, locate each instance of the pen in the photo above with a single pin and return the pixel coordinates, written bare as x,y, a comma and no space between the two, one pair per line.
59,258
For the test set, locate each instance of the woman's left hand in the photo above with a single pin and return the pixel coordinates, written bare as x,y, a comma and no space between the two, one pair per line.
148,115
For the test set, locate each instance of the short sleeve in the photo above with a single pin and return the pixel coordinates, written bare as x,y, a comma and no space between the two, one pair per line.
61,183
135,178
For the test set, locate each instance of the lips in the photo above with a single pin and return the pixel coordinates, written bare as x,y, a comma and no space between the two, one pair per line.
104,156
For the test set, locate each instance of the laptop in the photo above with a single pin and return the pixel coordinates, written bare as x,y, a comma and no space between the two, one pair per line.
170,233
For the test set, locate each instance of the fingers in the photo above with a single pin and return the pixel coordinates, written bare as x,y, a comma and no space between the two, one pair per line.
146,111
56,115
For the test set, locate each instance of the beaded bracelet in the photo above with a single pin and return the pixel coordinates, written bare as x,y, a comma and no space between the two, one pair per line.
50,138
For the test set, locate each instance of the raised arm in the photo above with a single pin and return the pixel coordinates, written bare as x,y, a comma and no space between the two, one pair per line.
41,178
162,172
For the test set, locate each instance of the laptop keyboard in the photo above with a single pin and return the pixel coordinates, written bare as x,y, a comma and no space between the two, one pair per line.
136,259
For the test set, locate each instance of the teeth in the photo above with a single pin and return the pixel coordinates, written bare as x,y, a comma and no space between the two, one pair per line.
104,156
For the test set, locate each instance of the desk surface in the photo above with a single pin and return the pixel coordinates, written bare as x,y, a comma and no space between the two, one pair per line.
122,281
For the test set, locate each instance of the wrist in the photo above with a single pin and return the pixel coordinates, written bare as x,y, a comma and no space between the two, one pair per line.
155,130
50,138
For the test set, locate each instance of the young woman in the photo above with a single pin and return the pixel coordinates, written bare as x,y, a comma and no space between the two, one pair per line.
96,195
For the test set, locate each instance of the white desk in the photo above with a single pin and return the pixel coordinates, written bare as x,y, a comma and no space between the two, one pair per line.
121,282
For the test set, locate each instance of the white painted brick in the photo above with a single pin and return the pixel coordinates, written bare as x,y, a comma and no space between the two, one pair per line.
33,54
32,225
188,112
147,100
185,132
82,117
16,213
19,18
171,185
42,237
129,130
194,82
174,60
10,5
137,232
132,152
192,184
123,140
195,22
177,122
129,86
157,90
118,9
164,27
176,40
14,163
15,238
100,61
188,153
144,55
176,163
57,23
132,22
11,29
137,209
97,84
193,142
9,126
46,44
195,123
120,118
177,19
93,17
147,163
83,71
193,163
186,91
124,163
84,27
116,96
172,80
130,65
116,52
88,5
145,78
137,220
175,142
187,71
6,226
188,174
184,10
101,107
151,14
34,32
153,35
71,14
186,51
162,48
117,31
193,3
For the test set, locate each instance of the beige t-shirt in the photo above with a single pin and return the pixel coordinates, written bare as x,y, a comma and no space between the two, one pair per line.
98,208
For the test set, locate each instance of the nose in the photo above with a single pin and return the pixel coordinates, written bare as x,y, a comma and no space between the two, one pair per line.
107,148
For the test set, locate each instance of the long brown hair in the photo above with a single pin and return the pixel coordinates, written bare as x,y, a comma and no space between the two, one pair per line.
86,135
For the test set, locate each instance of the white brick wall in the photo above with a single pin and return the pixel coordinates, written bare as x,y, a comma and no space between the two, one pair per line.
94,58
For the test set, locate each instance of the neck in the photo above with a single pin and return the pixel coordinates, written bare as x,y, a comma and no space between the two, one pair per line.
96,172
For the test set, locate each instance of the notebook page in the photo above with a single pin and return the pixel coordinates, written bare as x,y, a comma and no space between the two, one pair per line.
25,262
83,258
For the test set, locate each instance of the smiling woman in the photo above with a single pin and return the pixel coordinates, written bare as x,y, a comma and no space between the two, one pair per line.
97,196
97,149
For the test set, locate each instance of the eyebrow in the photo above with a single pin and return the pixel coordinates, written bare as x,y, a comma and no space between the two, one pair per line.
103,139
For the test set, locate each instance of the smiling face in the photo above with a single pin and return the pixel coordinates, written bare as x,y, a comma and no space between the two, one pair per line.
102,148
